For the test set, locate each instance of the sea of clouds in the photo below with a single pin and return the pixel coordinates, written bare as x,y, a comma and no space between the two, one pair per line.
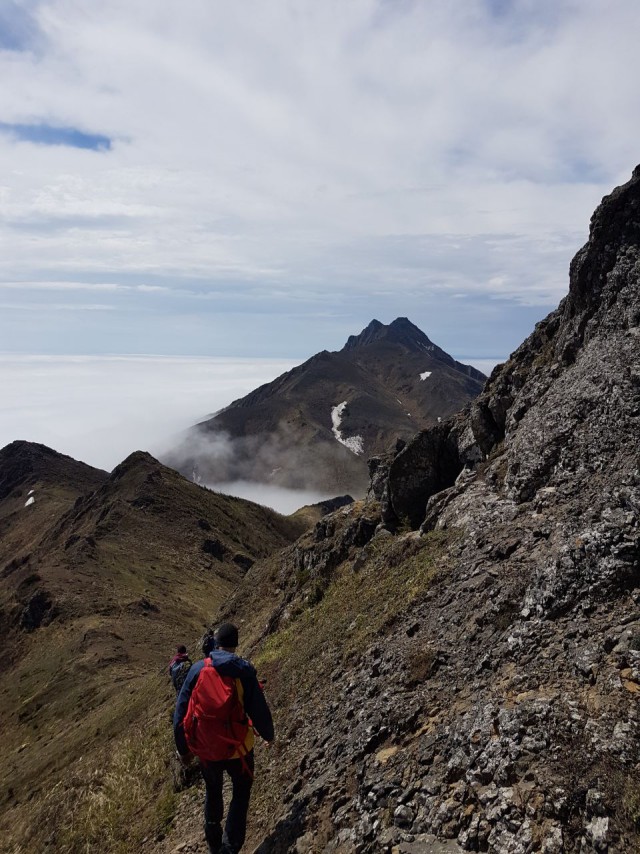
99,409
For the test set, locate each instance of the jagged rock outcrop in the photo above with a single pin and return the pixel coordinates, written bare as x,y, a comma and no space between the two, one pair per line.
497,707
565,392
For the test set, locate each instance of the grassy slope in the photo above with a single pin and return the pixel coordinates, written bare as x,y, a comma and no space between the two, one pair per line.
85,703
53,480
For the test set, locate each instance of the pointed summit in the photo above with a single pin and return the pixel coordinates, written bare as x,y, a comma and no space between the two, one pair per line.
23,464
399,331
405,337
372,332
138,461
315,426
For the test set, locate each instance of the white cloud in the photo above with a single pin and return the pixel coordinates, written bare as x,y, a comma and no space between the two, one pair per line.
61,286
100,409
55,306
81,286
278,498
292,149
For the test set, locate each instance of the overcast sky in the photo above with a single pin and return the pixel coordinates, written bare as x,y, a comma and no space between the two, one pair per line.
259,179
263,178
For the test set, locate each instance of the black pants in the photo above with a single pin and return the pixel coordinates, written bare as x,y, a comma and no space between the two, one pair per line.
236,824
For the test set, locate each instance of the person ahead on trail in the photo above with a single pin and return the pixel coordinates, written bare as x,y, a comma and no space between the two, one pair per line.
219,706
179,667
208,643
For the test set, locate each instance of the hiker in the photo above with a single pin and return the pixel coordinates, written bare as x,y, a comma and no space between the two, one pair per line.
219,707
179,666
208,643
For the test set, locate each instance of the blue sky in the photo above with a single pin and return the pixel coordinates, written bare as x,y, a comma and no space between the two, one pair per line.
262,179
44,134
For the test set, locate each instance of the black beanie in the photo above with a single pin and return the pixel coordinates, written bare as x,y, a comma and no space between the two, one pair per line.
227,635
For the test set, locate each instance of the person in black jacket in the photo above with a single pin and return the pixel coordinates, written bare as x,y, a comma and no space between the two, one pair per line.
240,766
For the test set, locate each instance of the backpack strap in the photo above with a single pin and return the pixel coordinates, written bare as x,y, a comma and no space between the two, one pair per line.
242,751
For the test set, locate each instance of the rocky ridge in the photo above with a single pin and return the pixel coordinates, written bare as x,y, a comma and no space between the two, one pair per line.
469,668
25,465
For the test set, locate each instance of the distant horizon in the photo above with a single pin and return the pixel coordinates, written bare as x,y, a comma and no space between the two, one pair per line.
100,408
184,181
474,361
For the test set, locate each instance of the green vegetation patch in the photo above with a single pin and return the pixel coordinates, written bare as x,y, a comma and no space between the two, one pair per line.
356,606
630,803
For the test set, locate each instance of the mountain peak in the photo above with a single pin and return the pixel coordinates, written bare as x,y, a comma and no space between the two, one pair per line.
399,331
137,461
23,448
23,462
314,426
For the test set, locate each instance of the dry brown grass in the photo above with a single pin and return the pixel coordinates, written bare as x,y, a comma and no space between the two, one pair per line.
84,701
108,801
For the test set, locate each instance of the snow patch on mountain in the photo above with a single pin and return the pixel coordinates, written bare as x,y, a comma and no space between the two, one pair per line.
425,375
353,443
29,501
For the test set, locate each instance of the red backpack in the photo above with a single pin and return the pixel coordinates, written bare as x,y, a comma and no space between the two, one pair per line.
216,724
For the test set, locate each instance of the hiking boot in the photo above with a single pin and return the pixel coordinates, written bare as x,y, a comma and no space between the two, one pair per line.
213,835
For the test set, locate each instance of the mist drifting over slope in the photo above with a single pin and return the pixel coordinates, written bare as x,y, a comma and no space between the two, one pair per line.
99,409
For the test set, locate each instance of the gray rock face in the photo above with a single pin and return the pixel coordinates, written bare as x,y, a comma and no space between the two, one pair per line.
500,711
568,394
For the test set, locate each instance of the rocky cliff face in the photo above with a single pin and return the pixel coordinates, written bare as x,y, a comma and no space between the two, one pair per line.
577,372
469,669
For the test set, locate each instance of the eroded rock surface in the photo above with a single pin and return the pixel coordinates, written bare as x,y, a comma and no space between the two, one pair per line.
499,708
